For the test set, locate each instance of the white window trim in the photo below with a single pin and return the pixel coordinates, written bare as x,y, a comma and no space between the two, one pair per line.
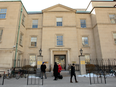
82,41
35,58
56,21
85,22
30,42
56,40
1,35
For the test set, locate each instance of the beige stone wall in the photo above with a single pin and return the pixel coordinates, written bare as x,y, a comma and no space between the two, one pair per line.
103,3
49,19
105,32
98,29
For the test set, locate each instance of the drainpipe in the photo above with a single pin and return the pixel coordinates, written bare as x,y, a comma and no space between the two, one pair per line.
18,35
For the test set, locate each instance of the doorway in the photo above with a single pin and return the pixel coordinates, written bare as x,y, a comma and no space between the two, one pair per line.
61,59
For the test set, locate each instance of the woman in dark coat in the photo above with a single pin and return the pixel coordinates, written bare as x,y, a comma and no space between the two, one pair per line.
55,71
73,73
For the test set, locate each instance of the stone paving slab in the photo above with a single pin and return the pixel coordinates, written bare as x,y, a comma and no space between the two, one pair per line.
49,82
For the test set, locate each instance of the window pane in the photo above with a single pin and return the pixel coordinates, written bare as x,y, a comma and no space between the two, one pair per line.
87,59
59,23
2,16
35,24
60,40
59,19
83,23
112,18
114,35
1,34
19,59
21,39
23,20
84,41
32,60
33,41
3,10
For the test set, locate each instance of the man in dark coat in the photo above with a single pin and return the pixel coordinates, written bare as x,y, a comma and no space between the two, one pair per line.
43,70
55,71
73,73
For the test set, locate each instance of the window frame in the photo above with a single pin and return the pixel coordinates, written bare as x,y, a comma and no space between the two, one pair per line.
21,39
35,59
23,20
89,58
33,24
36,41
19,60
114,38
59,22
1,35
85,23
3,13
62,40
82,41
110,18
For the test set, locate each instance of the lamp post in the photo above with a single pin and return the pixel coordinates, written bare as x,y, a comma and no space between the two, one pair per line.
81,51
40,51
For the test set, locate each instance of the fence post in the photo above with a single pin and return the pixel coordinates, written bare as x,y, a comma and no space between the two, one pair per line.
90,77
3,79
27,78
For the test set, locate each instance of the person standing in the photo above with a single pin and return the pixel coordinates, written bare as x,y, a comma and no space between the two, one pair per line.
43,70
73,73
59,69
55,71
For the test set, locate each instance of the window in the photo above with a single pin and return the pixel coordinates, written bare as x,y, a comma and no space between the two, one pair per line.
3,13
21,39
1,31
59,40
19,59
85,41
83,23
23,20
59,21
35,24
112,18
33,41
87,58
114,35
32,60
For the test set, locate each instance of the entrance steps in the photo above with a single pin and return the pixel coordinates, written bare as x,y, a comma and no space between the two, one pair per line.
63,73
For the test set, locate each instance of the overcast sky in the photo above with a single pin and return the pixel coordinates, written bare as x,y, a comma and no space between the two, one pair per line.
39,5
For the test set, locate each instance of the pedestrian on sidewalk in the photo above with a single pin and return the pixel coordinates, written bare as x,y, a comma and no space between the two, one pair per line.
73,73
55,71
43,70
59,69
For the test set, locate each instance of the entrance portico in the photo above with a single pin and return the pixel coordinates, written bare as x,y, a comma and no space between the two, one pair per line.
60,51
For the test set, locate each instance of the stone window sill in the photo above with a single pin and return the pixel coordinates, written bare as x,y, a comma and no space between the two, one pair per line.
21,45
86,46
32,47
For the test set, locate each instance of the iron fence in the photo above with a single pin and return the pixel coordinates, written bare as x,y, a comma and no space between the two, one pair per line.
99,68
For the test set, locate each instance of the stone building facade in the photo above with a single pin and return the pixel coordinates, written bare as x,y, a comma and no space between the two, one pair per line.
59,31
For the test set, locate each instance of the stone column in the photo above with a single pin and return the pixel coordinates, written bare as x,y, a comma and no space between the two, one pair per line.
82,64
39,62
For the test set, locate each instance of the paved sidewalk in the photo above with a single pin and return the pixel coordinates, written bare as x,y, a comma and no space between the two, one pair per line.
49,82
